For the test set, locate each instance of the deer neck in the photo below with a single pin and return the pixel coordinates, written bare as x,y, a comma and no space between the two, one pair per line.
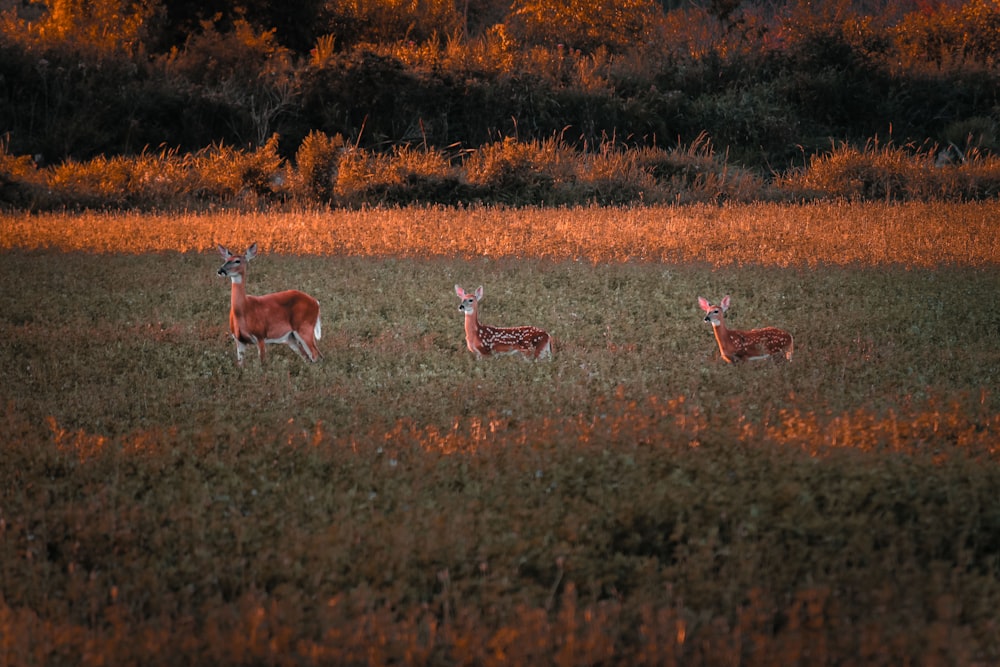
725,340
239,294
472,330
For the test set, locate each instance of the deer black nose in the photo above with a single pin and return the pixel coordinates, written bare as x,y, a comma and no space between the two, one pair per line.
221,272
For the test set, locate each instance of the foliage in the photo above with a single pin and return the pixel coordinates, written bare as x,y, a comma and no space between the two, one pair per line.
225,173
898,173
19,178
584,25
244,70
150,180
511,172
373,21
772,85
318,160
950,37
91,30
520,170
408,175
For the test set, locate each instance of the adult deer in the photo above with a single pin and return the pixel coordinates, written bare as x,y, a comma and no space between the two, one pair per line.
290,317
484,340
746,345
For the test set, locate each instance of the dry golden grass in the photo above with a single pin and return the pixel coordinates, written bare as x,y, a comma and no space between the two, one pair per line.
633,501
913,234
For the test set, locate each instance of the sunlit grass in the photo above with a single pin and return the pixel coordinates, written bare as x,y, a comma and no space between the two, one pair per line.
915,234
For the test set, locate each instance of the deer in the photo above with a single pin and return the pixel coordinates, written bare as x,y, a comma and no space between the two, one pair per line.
483,340
753,345
290,317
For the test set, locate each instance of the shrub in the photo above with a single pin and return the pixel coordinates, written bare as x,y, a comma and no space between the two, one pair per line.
406,175
948,36
391,20
609,176
520,172
754,123
690,33
582,24
58,104
890,172
426,174
244,70
226,174
351,92
696,173
168,179
979,133
94,30
94,184
317,160
20,179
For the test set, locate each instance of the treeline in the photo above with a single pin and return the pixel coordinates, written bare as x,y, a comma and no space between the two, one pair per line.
771,88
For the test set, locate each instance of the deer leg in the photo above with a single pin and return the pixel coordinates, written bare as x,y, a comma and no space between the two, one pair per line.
296,347
308,344
299,345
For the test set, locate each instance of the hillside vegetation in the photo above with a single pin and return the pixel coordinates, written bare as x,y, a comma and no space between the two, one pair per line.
187,105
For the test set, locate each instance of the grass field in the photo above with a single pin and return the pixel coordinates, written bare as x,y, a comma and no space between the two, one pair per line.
633,501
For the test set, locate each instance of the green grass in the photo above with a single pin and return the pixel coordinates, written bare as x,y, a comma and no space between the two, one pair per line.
633,500
81,327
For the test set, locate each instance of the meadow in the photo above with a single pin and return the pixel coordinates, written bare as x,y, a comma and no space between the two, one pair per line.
635,500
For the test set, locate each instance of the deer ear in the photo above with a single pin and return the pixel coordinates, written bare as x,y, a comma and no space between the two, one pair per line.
704,304
479,293
725,303
251,252
224,252
460,292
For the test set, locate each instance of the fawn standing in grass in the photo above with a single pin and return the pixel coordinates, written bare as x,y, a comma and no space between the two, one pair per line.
290,317
484,340
746,345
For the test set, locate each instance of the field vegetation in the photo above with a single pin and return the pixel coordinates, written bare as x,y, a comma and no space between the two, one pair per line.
633,501
327,173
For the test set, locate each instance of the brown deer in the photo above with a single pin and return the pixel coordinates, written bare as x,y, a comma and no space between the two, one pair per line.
290,317
483,340
766,343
